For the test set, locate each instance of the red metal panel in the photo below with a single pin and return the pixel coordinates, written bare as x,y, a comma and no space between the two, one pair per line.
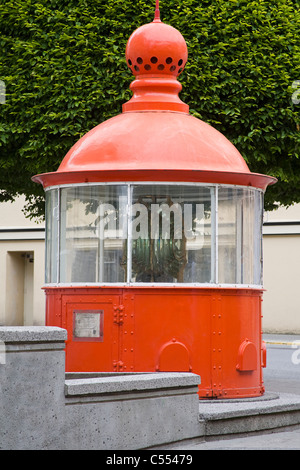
127,349
180,316
155,328
240,316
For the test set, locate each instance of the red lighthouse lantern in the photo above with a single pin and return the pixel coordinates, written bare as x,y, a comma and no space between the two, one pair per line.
153,237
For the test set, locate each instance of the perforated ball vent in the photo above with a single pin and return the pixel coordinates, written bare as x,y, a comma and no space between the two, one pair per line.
155,65
156,49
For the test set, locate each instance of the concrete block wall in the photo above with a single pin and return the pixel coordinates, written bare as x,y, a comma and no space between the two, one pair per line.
41,407
32,375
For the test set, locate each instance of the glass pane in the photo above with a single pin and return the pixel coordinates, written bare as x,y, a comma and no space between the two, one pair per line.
52,215
239,236
247,263
257,228
93,233
227,235
171,234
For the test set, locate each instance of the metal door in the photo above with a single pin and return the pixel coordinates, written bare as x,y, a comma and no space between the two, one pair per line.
93,326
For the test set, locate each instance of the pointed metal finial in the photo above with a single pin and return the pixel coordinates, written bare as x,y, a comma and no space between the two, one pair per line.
157,12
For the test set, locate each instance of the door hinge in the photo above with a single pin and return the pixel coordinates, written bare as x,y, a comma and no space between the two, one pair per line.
118,314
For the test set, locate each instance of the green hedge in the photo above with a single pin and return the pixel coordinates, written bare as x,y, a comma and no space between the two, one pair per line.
63,64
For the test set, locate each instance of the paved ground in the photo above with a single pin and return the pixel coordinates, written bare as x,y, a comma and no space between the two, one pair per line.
287,439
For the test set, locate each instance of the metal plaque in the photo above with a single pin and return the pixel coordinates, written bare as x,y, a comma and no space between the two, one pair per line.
88,325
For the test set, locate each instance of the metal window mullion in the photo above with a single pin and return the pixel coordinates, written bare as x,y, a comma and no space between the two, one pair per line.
100,237
58,238
214,234
47,272
129,233
217,232
62,239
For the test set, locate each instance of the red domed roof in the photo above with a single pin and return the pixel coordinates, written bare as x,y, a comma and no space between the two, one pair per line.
154,146
155,138
153,141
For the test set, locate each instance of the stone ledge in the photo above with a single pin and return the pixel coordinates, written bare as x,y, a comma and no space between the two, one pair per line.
32,334
225,418
110,383
219,410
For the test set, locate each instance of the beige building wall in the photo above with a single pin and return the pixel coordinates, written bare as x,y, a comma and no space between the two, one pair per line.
22,300
281,250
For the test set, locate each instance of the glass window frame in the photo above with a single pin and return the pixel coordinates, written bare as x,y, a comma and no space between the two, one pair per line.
176,199
52,232
84,230
56,241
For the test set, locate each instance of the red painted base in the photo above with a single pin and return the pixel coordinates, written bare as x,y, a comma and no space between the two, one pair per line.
212,332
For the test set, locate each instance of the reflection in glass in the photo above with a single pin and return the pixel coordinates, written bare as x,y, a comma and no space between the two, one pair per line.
171,234
92,234
239,236
154,233
51,235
